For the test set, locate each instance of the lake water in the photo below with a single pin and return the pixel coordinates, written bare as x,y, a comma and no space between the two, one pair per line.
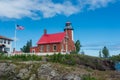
117,66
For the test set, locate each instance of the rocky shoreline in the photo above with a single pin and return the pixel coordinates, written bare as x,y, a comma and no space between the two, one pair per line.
49,71
10,71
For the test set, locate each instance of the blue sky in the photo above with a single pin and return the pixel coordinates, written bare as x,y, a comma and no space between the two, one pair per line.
96,23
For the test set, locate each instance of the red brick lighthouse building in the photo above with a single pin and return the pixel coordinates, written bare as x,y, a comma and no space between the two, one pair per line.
57,42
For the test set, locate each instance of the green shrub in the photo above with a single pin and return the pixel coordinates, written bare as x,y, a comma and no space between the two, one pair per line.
88,77
1,53
115,58
22,57
26,57
60,58
73,52
3,56
73,59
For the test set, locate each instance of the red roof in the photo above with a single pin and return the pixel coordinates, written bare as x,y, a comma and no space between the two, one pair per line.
2,37
51,38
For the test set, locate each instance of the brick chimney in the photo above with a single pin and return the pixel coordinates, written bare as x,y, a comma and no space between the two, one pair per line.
45,31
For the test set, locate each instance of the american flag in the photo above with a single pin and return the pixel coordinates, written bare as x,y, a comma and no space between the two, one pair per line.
19,27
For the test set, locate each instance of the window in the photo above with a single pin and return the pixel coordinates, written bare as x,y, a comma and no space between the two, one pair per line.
48,48
7,49
1,41
54,47
41,48
8,42
4,41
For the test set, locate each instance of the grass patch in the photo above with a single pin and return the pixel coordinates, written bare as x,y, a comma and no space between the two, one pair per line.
73,59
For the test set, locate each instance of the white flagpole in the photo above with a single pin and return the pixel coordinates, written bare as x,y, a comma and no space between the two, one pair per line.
15,37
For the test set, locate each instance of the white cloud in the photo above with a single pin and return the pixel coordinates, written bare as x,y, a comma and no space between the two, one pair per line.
98,3
35,9
50,9
16,8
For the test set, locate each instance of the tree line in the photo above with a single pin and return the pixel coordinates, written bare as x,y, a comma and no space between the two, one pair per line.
102,53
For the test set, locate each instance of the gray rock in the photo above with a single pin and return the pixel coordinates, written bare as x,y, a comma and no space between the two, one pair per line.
71,76
54,73
47,72
45,69
30,67
44,72
33,76
7,69
23,73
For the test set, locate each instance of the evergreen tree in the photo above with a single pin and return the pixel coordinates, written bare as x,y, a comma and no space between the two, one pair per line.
100,55
78,46
26,48
105,52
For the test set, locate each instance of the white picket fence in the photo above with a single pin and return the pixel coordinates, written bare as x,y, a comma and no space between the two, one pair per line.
39,54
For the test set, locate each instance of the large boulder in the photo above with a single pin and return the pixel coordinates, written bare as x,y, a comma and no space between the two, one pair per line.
33,77
7,69
46,72
71,76
23,74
